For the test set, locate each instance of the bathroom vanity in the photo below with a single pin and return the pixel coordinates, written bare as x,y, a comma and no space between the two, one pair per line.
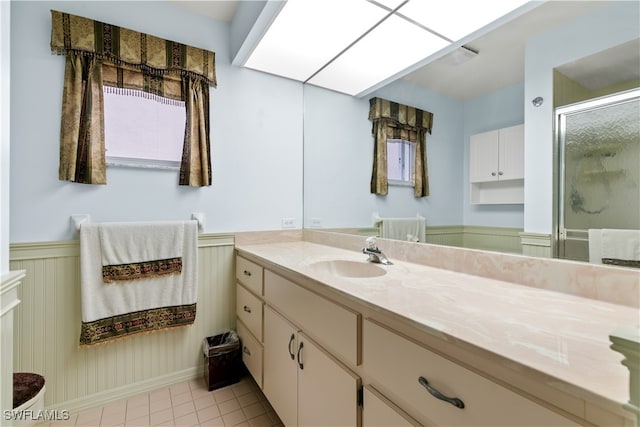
334,340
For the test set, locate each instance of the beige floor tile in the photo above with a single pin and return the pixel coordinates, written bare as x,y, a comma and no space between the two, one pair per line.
187,420
184,404
159,405
181,398
209,413
112,418
229,406
203,402
159,417
183,409
134,412
215,422
179,388
254,410
143,421
234,418
223,394
248,399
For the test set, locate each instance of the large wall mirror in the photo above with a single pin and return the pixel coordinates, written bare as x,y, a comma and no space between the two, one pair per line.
561,52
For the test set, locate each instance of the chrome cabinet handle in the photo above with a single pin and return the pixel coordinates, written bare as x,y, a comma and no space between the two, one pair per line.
247,273
246,351
435,393
299,361
247,309
289,349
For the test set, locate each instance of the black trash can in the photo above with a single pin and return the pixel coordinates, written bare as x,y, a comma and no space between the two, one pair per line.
222,360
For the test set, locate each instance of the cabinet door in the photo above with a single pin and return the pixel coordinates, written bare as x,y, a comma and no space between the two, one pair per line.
483,157
511,153
327,391
280,383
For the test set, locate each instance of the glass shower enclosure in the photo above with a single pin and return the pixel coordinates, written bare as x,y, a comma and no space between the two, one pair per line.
598,170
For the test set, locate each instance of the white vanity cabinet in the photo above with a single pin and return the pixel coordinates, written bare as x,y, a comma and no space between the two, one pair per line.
249,314
496,166
438,391
304,383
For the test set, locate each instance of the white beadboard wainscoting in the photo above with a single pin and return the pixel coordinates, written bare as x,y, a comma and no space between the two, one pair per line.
47,327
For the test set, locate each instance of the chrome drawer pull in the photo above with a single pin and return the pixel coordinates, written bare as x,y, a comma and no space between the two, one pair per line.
247,309
247,273
246,351
435,393
293,356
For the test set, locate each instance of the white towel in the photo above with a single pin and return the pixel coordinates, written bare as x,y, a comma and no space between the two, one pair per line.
407,229
131,242
621,247
595,246
153,303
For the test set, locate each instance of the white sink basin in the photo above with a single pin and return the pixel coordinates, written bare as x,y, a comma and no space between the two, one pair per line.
346,268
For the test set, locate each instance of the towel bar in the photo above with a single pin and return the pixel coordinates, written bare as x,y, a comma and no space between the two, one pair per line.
78,219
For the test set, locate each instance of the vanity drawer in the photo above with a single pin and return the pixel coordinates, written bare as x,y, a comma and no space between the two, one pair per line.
249,311
251,353
333,326
397,363
249,274
378,411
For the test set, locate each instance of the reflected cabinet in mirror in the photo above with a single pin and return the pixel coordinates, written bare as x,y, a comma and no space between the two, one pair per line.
559,54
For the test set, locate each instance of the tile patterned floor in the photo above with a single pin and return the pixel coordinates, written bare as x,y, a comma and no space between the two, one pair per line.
185,404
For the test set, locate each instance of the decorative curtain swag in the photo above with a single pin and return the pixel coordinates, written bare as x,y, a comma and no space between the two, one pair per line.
397,121
124,61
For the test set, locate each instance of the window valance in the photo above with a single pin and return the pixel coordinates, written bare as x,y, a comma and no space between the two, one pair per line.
100,57
405,120
397,121
123,47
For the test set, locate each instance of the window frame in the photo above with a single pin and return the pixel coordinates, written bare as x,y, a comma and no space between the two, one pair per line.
406,163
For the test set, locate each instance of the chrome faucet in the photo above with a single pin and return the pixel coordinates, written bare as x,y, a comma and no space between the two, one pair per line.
375,254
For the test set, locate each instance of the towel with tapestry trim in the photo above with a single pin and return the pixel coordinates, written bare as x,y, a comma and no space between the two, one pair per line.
137,277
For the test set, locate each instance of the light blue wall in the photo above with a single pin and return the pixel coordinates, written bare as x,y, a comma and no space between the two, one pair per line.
496,110
339,153
593,32
256,137
5,69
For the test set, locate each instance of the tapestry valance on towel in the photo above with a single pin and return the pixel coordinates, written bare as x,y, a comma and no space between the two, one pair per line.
123,47
392,120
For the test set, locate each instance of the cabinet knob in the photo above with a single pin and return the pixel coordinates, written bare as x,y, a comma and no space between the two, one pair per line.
247,273
246,351
247,309
500,173
493,174
435,393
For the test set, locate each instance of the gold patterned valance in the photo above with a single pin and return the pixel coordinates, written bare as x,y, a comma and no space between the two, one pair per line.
151,55
400,116
397,121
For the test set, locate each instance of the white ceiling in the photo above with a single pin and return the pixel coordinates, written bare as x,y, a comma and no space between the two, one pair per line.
500,59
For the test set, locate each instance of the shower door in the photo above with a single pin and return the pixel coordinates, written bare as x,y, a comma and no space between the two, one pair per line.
598,170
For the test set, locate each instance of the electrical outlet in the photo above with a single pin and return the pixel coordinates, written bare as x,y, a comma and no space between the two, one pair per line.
288,223
316,222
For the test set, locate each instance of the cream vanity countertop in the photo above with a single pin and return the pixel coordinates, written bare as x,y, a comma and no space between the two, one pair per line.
563,337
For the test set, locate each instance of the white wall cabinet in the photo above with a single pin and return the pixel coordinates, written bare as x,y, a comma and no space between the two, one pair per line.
496,166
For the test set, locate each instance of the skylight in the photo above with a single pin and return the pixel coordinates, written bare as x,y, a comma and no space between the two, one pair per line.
352,45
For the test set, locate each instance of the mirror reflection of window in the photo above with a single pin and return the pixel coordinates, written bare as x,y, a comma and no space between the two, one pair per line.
400,161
